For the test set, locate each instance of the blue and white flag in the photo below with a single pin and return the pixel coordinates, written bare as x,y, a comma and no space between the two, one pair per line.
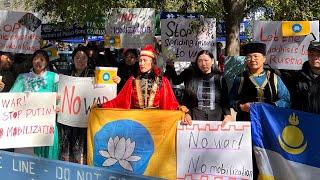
285,142
170,15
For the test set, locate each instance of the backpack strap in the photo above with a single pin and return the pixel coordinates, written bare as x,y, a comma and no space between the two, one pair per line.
273,85
241,83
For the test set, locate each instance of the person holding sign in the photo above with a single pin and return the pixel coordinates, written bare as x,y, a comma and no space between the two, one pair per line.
206,92
40,80
257,84
80,66
73,140
148,89
307,83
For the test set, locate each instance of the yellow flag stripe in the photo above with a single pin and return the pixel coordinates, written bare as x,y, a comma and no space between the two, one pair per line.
295,28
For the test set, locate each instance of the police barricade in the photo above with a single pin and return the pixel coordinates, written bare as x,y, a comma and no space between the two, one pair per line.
20,166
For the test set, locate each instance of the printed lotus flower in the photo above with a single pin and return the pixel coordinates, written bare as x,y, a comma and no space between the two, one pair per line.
119,150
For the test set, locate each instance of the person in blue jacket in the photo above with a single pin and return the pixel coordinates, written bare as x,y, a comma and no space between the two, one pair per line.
257,84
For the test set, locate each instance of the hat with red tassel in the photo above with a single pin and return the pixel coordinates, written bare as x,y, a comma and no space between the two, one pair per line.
148,50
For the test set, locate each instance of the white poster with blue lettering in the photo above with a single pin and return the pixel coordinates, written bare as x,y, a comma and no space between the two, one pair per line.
207,150
183,36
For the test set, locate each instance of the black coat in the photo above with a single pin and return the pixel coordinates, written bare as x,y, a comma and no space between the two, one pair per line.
125,71
191,78
306,90
85,73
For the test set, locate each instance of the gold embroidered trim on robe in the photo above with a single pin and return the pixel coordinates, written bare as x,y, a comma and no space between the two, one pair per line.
260,89
153,92
139,92
143,100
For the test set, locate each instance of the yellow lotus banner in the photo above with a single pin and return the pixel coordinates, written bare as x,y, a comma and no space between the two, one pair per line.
286,142
104,75
295,28
134,141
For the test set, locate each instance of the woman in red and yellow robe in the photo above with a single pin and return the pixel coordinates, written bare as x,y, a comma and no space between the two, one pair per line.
148,89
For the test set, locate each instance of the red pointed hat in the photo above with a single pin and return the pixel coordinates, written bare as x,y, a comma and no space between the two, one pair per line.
148,50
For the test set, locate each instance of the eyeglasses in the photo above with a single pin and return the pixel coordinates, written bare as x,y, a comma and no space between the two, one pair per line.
254,57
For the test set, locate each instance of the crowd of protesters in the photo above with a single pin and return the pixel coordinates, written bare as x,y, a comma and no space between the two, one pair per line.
205,96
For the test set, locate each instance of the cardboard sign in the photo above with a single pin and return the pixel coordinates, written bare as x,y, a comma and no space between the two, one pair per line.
77,97
288,52
131,27
19,32
182,38
205,150
27,119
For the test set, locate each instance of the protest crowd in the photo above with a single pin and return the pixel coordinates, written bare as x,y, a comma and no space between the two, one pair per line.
144,80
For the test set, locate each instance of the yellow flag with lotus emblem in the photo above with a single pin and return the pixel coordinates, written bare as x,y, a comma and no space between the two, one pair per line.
134,141
295,28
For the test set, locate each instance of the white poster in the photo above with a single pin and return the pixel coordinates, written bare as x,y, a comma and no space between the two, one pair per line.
205,150
284,52
20,32
27,119
129,27
77,95
182,38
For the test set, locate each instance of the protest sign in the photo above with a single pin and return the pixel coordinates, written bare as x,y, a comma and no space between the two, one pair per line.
27,119
19,32
129,27
95,29
103,76
205,150
20,166
284,52
182,38
77,97
62,30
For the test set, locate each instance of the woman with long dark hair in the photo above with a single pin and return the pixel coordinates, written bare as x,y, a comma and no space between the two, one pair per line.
206,92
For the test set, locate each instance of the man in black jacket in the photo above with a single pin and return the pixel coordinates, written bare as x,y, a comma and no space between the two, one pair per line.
307,83
7,73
